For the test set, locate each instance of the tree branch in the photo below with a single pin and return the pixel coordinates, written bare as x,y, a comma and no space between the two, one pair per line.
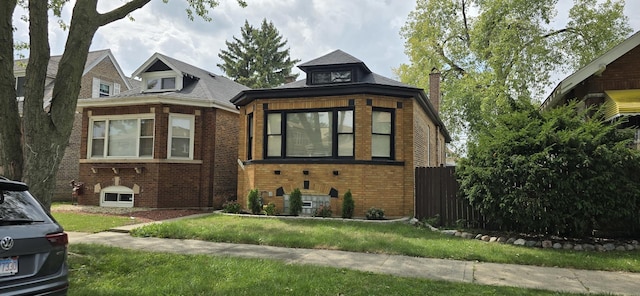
120,12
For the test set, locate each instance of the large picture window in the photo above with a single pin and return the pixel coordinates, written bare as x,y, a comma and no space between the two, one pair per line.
382,134
318,133
181,136
121,137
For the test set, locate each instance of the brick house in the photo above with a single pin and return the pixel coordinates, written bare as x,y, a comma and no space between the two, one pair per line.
342,128
101,77
612,79
170,143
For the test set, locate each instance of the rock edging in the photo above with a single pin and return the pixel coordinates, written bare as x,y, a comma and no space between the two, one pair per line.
542,243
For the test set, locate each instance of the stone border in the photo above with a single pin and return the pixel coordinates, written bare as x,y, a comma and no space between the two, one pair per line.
544,243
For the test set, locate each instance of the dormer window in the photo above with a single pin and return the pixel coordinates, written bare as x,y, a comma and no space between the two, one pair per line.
160,81
325,77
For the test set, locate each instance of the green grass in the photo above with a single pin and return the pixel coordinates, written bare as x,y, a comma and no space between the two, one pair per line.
90,222
388,238
101,270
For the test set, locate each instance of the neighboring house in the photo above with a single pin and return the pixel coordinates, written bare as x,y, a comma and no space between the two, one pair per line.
170,143
101,77
342,128
612,79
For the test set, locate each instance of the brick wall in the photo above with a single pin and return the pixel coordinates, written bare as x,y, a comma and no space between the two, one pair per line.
162,182
69,169
623,73
383,185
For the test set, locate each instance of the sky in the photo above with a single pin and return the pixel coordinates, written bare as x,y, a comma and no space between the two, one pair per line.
367,29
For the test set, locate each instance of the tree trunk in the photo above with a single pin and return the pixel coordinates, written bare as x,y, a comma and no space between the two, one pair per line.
10,154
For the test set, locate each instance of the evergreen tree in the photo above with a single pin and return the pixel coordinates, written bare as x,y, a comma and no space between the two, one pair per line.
257,59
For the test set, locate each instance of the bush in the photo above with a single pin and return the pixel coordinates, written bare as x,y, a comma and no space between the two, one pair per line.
375,214
323,211
231,206
348,205
560,172
270,209
255,205
295,202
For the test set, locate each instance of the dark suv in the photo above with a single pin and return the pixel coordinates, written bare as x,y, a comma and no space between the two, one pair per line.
33,246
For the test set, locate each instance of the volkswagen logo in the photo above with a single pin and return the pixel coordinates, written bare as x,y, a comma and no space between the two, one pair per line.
6,243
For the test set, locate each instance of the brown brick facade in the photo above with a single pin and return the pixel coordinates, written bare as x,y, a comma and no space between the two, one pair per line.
68,169
166,183
383,184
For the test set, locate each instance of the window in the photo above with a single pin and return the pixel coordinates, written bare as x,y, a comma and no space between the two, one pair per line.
321,133
121,137
181,136
20,86
250,136
382,133
161,81
331,77
117,196
104,90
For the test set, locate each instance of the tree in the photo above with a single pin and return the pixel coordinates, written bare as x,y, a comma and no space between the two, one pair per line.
494,53
33,145
257,59
553,173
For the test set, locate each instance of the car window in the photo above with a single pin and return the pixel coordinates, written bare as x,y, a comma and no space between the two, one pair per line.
20,205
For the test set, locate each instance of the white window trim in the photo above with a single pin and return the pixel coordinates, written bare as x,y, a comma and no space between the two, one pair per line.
192,118
106,139
114,88
118,190
160,74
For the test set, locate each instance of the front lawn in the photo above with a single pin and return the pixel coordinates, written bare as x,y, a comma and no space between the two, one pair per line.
84,222
101,270
389,238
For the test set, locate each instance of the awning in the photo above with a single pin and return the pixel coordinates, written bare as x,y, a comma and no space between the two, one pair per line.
621,102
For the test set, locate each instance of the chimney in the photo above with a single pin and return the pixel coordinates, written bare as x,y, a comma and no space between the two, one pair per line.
434,89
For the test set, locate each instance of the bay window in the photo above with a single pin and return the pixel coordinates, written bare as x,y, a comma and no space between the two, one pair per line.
313,134
121,137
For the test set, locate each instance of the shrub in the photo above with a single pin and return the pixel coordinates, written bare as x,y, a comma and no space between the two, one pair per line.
348,205
255,205
295,202
231,206
375,214
323,211
270,209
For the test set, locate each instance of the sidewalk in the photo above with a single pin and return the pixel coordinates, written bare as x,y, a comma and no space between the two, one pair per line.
547,278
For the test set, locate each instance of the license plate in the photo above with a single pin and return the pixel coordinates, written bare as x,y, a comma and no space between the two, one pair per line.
8,266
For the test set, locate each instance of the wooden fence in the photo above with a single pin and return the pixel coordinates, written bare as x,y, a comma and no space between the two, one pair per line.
437,196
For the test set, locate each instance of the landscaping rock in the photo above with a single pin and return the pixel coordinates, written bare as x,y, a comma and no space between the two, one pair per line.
485,238
457,233
531,243
567,246
479,236
520,242
557,246
620,248
502,239
449,232
600,248
577,247
547,244
538,244
609,247
589,247
511,240
414,221
493,239
467,235
629,247
634,242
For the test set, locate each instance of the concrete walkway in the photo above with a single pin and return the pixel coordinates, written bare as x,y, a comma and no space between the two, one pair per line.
547,278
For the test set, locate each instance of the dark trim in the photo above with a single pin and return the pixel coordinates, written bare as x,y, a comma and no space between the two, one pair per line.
265,106
247,96
333,192
369,102
312,161
352,102
399,105
306,184
283,132
250,135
